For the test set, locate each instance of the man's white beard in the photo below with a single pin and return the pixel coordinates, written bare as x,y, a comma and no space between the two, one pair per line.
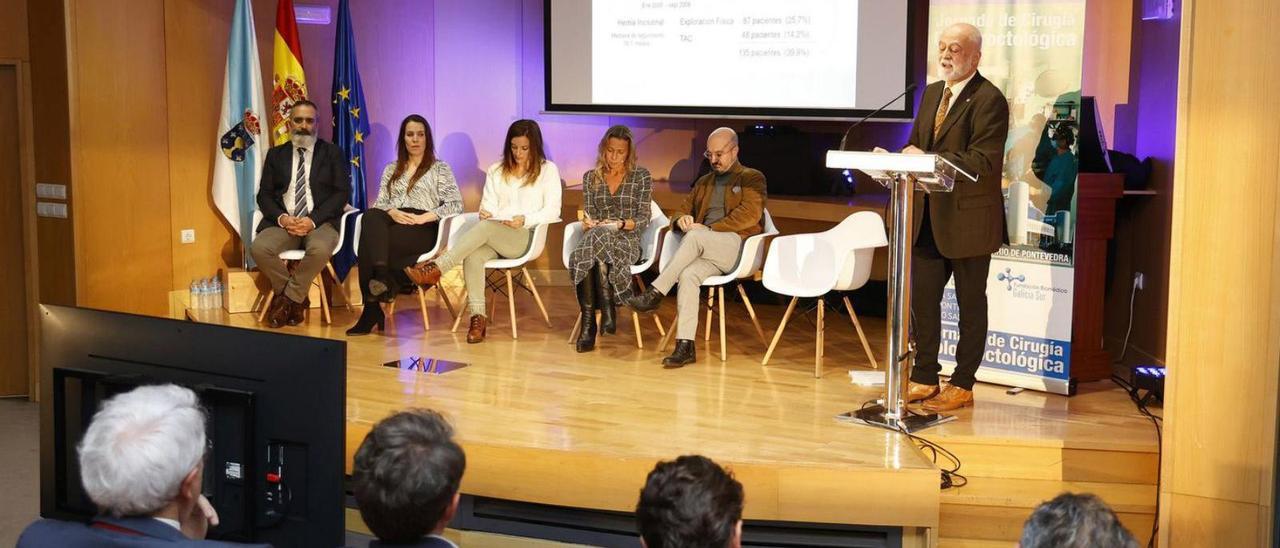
303,141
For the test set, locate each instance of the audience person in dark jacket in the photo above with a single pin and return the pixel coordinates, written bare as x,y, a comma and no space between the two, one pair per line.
690,502
1075,521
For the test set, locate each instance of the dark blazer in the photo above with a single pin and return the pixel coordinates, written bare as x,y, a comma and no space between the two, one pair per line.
744,199
969,221
112,533
330,183
425,542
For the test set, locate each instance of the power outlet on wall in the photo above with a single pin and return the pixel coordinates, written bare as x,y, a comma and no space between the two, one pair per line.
188,235
1139,281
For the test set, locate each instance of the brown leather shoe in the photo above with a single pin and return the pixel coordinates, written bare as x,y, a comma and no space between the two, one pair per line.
297,311
951,398
277,312
475,333
917,392
424,274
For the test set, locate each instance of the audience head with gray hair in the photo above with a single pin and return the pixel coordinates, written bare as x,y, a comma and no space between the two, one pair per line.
1075,521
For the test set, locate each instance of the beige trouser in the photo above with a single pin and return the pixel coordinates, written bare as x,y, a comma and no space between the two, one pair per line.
483,242
703,253
268,245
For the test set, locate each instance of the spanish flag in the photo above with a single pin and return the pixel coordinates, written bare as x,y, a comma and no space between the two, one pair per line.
289,83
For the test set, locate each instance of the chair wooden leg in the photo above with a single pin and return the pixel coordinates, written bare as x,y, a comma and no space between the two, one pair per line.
711,307
671,331
778,334
658,322
444,296
724,353
342,288
635,321
861,336
511,304
817,352
577,324
422,306
266,305
462,308
752,311
536,297
324,301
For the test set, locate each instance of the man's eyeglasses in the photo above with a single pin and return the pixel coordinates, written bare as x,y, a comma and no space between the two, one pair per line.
714,155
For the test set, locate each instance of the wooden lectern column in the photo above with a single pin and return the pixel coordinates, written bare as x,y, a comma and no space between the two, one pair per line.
1096,196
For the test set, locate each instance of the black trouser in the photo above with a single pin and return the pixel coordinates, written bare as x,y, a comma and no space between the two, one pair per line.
929,274
388,246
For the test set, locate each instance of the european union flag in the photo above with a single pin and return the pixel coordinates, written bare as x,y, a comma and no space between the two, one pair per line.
350,125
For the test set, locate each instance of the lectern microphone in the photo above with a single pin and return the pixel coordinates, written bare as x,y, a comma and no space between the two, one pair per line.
909,89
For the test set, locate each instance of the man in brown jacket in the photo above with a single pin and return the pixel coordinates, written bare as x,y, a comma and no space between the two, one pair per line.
965,119
725,206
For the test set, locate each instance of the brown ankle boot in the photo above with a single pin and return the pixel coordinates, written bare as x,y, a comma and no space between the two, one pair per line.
278,311
475,333
424,274
297,311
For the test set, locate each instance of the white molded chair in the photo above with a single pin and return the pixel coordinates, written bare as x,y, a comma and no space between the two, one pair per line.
750,259
812,265
516,265
648,255
442,242
291,258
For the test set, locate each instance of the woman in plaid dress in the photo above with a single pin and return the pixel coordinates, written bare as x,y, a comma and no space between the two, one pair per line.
616,197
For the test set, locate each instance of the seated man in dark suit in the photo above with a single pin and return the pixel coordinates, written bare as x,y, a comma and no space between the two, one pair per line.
688,502
725,208
142,464
304,188
406,476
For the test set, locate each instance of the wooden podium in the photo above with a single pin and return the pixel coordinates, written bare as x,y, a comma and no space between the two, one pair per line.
1096,195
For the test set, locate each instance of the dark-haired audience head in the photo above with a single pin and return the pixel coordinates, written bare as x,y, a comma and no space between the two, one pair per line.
523,151
690,502
406,476
415,144
1075,521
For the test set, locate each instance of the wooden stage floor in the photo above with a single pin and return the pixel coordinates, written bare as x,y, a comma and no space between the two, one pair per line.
542,423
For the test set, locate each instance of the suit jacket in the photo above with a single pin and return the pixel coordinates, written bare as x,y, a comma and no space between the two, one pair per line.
744,199
430,541
969,221
330,184
141,532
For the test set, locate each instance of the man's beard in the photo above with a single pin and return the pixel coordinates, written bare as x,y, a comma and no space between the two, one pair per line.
301,140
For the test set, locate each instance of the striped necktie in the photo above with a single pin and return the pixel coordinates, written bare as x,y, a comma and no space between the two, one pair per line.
300,187
942,112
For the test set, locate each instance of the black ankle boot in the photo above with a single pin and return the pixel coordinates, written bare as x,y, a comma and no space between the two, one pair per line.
371,317
586,305
682,356
604,300
647,301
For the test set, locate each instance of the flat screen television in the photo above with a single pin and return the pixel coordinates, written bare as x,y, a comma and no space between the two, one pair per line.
274,467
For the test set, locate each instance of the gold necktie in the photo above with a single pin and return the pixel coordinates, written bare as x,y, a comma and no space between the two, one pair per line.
942,112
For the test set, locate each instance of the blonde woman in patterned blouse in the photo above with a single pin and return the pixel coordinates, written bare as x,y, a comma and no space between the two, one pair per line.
416,191
615,201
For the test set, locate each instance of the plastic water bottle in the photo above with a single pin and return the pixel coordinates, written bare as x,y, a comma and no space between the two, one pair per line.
193,295
217,293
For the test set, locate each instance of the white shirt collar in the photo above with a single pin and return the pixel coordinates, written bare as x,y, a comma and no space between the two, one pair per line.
170,522
957,88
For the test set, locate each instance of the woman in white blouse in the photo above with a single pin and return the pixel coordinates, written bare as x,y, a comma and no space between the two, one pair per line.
520,192
417,190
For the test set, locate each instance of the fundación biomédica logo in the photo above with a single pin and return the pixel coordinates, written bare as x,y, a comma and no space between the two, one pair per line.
1008,277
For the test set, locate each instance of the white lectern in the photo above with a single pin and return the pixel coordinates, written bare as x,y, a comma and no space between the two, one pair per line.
899,173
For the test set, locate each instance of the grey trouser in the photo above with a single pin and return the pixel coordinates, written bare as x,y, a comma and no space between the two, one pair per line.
702,254
484,241
268,245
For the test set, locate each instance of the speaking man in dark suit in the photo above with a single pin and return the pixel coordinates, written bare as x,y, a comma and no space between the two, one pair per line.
142,464
965,119
304,188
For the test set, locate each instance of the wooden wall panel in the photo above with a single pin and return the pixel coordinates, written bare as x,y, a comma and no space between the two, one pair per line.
13,282
13,30
52,145
1224,300
120,154
1107,39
